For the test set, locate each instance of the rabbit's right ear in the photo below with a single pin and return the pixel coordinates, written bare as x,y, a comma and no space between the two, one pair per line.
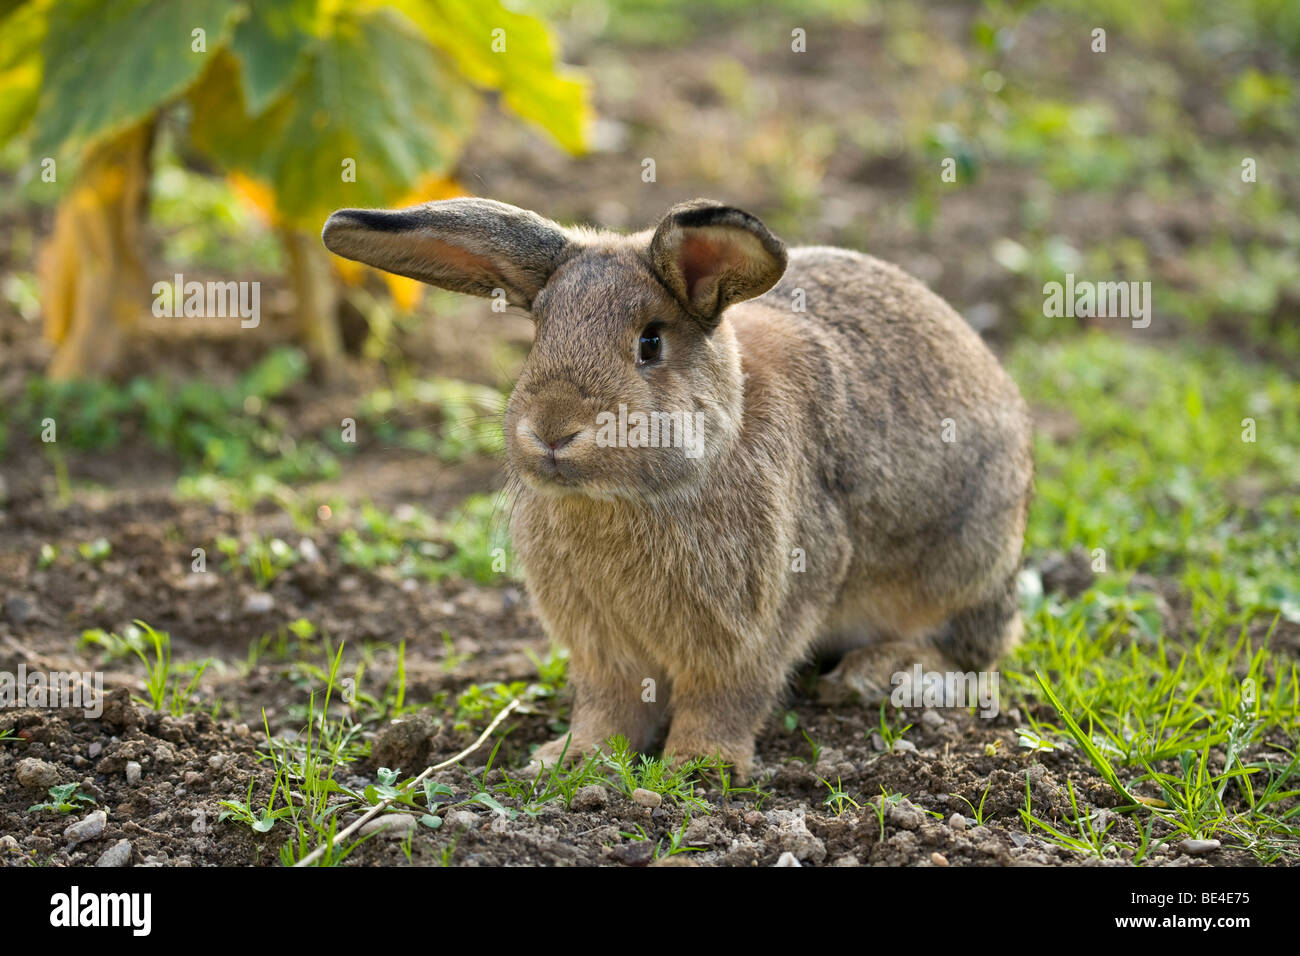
475,246
712,256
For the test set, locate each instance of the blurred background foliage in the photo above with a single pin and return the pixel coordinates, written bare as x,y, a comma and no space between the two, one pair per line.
308,104
1122,165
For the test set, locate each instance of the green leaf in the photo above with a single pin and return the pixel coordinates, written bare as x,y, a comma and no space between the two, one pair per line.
22,34
270,45
373,91
108,65
525,71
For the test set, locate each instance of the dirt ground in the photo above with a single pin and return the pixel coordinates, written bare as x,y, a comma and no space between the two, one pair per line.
159,778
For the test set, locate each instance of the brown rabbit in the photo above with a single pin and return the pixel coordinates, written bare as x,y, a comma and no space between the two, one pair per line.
723,466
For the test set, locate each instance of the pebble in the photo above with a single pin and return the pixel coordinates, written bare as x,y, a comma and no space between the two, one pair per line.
938,859
698,833
391,824
590,798
877,741
95,749
903,746
1199,847
795,837
905,817
88,829
754,819
19,610
37,774
307,548
957,822
8,843
119,854
217,761
931,718
462,818
635,852
259,602
133,772
787,859
647,798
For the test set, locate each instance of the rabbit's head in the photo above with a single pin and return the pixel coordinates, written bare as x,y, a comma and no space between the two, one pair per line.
634,382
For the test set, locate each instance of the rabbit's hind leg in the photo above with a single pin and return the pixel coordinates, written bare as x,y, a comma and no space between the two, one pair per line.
971,640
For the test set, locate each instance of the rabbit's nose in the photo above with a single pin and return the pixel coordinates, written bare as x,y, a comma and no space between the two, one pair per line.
555,444
549,437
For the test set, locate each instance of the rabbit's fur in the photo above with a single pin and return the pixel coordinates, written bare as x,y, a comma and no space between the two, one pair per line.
861,482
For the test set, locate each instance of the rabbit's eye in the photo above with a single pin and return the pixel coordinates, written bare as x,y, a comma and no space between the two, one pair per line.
651,346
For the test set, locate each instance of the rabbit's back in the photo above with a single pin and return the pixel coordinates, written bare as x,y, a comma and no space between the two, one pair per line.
922,441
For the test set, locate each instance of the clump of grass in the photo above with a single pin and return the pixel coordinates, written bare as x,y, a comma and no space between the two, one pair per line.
470,543
165,683
265,559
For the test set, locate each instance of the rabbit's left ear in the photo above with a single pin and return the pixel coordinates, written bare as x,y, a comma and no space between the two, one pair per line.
476,246
712,256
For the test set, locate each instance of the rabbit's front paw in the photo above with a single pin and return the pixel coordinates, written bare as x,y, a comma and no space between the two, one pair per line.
564,751
738,755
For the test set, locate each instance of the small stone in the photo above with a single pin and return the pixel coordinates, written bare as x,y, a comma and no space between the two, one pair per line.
647,798
755,819
590,798
905,817
787,859
462,818
19,610
95,749
794,836
88,829
133,771
877,741
1019,839
931,718
307,548
390,824
120,711
119,854
1199,847
938,859
37,774
903,746
404,744
957,822
635,852
8,843
698,833
217,761
259,602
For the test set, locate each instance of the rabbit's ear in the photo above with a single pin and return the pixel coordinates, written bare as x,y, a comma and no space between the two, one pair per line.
712,256
466,245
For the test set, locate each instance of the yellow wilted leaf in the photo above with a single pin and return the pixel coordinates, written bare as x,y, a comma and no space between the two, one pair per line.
257,195
406,292
353,273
